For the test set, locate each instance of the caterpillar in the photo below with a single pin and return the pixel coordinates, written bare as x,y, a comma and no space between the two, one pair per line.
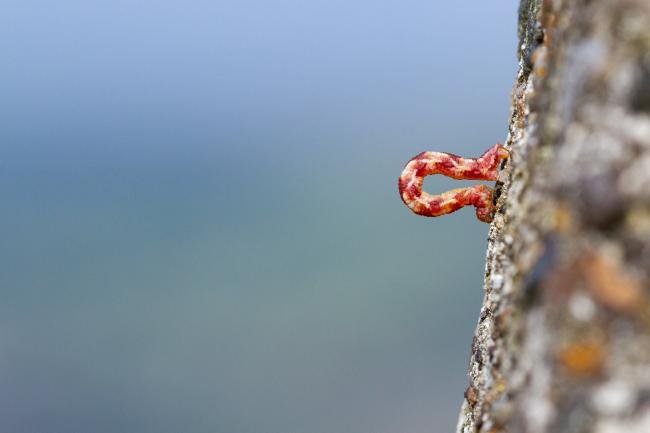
480,196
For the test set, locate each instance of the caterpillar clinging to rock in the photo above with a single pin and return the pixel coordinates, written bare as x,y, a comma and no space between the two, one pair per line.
427,163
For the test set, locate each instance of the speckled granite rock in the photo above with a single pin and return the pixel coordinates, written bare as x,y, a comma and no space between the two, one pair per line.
563,339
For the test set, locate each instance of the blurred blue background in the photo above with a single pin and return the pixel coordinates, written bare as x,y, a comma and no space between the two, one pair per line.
202,231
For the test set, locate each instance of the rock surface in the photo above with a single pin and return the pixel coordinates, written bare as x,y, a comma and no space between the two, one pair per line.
563,339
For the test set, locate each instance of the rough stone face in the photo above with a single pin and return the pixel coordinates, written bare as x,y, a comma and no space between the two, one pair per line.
563,339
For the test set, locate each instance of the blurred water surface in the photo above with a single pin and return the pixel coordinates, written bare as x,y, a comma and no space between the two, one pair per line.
201,226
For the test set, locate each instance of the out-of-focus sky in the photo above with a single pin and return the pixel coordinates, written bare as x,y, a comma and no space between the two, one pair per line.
202,231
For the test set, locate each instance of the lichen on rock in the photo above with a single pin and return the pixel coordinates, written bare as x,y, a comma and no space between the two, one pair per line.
563,338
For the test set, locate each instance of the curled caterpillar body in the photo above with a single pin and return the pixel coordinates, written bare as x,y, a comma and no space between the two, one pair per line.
450,165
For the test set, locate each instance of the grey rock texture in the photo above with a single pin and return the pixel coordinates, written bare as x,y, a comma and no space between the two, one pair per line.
563,339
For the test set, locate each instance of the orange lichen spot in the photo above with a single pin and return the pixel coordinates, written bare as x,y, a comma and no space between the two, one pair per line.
497,390
538,59
428,163
548,19
562,219
583,358
611,285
